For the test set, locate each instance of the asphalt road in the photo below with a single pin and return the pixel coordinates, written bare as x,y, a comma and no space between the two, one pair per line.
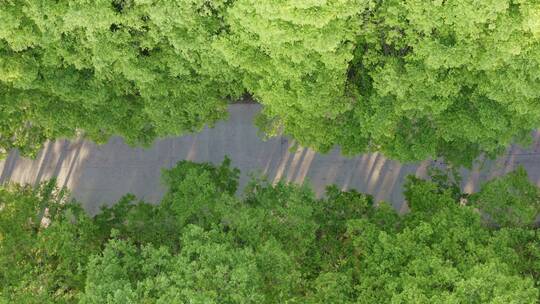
100,175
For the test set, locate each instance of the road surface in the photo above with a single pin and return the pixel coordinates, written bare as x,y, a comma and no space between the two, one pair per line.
100,175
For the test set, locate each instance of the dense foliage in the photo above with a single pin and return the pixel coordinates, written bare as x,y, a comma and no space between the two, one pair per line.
448,78
277,244
412,79
133,68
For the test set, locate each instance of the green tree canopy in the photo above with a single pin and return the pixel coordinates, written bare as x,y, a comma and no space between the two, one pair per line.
276,243
132,68
510,200
45,243
412,79
448,78
294,56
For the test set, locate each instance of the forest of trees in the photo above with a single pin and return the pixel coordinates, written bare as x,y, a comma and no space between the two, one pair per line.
412,79
276,244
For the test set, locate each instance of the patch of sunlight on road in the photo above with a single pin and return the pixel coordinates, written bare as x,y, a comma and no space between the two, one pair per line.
282,165
305,165
61,159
